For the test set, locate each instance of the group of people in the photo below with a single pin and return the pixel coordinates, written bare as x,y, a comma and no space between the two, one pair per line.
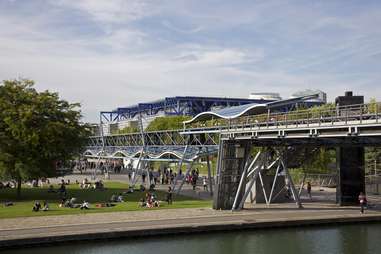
37,206
149,201
7,185
86,184
192,178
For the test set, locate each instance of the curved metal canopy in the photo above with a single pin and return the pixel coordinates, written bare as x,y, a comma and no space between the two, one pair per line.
248,109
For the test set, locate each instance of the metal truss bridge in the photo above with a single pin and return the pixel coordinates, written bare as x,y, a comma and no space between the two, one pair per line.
346,127
356,124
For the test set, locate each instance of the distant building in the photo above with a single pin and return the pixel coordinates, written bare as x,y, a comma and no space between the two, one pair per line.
169,106
321,99
265,96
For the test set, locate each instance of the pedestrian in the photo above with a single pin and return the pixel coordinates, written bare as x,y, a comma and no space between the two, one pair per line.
363,201
169,195
144,177
205,184
309,190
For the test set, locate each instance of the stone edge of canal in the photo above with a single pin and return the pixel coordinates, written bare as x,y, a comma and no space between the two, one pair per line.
183,229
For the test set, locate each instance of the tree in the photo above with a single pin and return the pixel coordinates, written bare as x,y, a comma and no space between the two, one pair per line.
372,106
167,123
37,130
128,129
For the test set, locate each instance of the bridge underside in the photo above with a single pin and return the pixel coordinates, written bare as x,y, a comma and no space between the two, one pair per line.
150,152
235,156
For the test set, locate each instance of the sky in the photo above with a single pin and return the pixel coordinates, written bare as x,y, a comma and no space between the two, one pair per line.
112,53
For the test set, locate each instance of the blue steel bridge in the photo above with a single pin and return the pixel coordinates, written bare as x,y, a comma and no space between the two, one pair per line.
172,143
187,105
279,134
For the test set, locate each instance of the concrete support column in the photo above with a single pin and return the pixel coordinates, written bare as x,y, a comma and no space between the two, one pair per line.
232,157
351,174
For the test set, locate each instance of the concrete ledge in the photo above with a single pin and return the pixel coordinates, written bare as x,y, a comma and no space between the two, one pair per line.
186,228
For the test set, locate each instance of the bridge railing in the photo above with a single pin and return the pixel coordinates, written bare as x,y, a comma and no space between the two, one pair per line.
159,138
330,114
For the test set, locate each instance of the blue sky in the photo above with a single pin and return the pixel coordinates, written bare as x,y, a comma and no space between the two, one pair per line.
110,53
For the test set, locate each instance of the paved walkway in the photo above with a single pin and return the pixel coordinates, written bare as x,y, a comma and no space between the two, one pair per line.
186,190
149,222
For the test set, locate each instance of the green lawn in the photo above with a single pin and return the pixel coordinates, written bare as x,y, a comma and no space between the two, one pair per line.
23,207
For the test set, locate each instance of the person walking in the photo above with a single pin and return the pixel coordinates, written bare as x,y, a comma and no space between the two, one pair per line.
363,201
169,195
205,183
309,190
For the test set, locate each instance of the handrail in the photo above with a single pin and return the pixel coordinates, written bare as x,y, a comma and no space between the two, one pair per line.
347,113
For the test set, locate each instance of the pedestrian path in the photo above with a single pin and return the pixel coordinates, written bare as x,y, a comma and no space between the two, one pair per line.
33,230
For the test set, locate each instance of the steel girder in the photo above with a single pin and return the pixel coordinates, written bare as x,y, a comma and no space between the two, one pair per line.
160,138
151,152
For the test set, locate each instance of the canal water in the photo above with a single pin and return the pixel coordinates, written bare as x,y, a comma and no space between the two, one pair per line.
348,239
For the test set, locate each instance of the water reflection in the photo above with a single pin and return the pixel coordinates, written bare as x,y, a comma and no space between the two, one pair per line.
333,240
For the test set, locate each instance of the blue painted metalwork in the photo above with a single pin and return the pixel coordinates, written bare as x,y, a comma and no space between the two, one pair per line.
178,105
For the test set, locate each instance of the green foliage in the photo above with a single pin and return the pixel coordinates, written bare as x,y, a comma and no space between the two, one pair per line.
167,123
314,160
373,106
126,130
372,155
37,129
320,161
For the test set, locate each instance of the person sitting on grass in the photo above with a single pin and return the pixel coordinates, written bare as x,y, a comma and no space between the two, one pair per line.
62,203
36,207
62,189
51,189
155,202
85,205
113,198
120,198
8,203
130,190
70,203
85,184
142,202
45,207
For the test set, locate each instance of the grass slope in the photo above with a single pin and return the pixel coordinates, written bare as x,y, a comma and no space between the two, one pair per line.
23,207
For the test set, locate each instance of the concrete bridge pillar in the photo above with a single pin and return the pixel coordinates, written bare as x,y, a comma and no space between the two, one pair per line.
351,174
232,157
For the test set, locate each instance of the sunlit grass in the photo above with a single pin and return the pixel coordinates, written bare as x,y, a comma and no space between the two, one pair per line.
23,206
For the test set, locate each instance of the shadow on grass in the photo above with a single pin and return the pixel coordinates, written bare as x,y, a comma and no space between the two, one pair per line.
90,195
23,206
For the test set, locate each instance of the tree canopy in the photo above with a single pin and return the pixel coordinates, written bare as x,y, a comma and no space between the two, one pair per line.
37,130
167,123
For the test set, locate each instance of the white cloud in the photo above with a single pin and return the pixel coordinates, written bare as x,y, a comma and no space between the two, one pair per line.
222,53
114,11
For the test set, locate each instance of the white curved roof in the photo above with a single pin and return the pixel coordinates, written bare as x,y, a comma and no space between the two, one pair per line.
248,109
232,112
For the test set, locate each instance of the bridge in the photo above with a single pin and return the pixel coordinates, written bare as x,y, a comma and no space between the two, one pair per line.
244,176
